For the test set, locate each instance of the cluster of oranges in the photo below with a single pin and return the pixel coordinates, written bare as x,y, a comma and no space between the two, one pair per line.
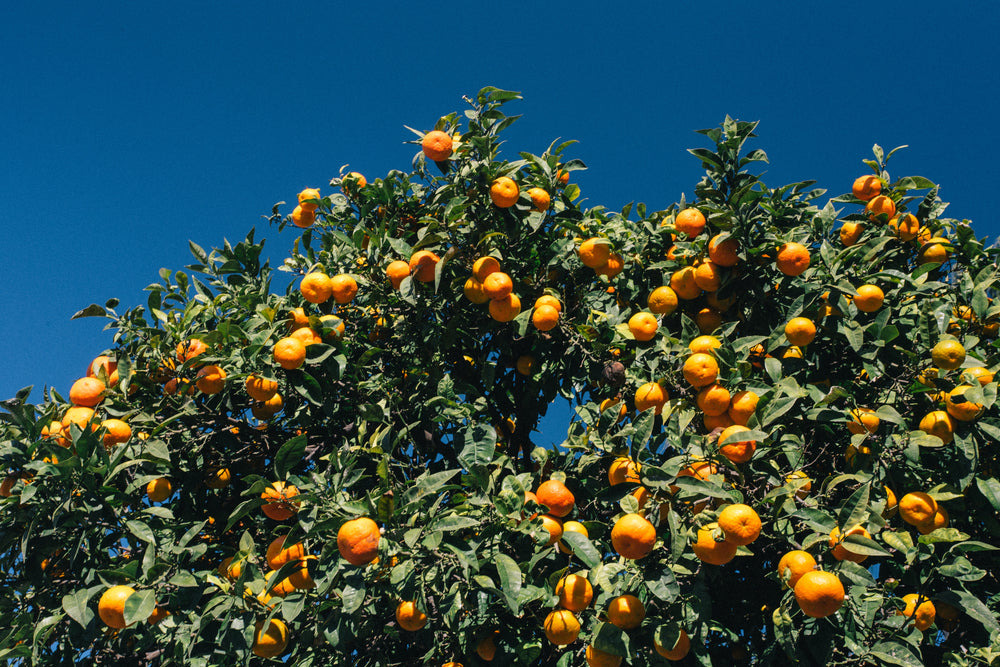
488,284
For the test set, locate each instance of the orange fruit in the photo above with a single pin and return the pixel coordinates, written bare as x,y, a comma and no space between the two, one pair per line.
105,369
662,300
724,253
793,259
917,508
612,267
948,354
277,501
553,526
684,283
959,407
708,320
540,199
793,565
939,520
157,615
309,199
487,647
211,379
862,420
87,392
344,288
869,298
306,336
819,594
594,252
353,182
473,290
707,276
850,232
497,285
571,527
554,495
396,272
78,415
938,423
545,317
270,641
742,406
437,145
890,501
525,365
278,554
422,265
690,221
704,344
800,331
739,451
633,536
650,395
701,369
548,300
561,627
335,325
880,205
919,609
713,400
936,249
709,551
643,326
231,570
866,187
55,431
982,375
116,432
609,403
504,192
626,612
598,658
905,226
740,523
574,592
111,607
840,552
679,650
505,309
484,266
562,177
358,540
218,478
159,490
190,349
802,491
623,469
297,319
267,409
289,353
303,217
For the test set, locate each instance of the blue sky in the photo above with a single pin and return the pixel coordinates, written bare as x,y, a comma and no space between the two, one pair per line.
126,131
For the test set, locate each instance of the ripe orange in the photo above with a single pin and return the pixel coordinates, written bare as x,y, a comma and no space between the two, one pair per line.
633,536
505,309
819,593
218,478
78,415
701,369
611,268
714,400
905,226
869,298
680,649
554,495
840,552
574,592
662,300
650,395
111,607
344,288
473,290
540,199
335,325
87,392
961,408
190,349
487,647
919,609
862,420
939,520
571,527
708,276
793,565
880,205
709,551
504,192
623,469
409,616
598,658
211,379
938,423
358,540
497,285
800,331
437,145
690,221
724,253
297,319
553,526
561,627
116,432
396,272
708,320
159,490
866,187
484,266
739,451
917,508
936,249
303,217
278,554
278,503
740,523
309,199
545,317
948,354
643,326
742,406
267,409
157,615
289,353
562,177
793,259
548,300
594,252
626,611
105,369
306,336
982,375
684,283
270,641
850,232
422,265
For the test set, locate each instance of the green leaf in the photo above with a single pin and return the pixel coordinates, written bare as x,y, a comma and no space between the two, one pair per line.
93,310
141,530
895,653
973,606
510,580
75,605
452,522
183,579
610,639
581,547
139,606
855,510
943,535
353,593
990,488
427,484
962,568
662,583
479,444
289,455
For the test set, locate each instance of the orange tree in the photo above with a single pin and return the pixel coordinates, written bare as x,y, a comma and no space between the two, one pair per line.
782,445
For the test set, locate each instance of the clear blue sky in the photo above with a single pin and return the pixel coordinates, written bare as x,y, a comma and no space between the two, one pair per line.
128,128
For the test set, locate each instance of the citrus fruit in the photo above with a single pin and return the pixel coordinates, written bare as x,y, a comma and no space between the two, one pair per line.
948,354
277,501
358,540
740,523
396,272
211,379
271,640
643,326
87,392
793,565
344,288
737,451
423,264
841,552
880,205
917,508
111,606
633,536
437,145
700,369
869,298
919,610
724,252
626,611
623,469
793,259
650,395
679,650
504,192
574,592
289,353
662,300
708,550
316,287
554,495
690,221
561,627
866,187
409,616
819,594
594,252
